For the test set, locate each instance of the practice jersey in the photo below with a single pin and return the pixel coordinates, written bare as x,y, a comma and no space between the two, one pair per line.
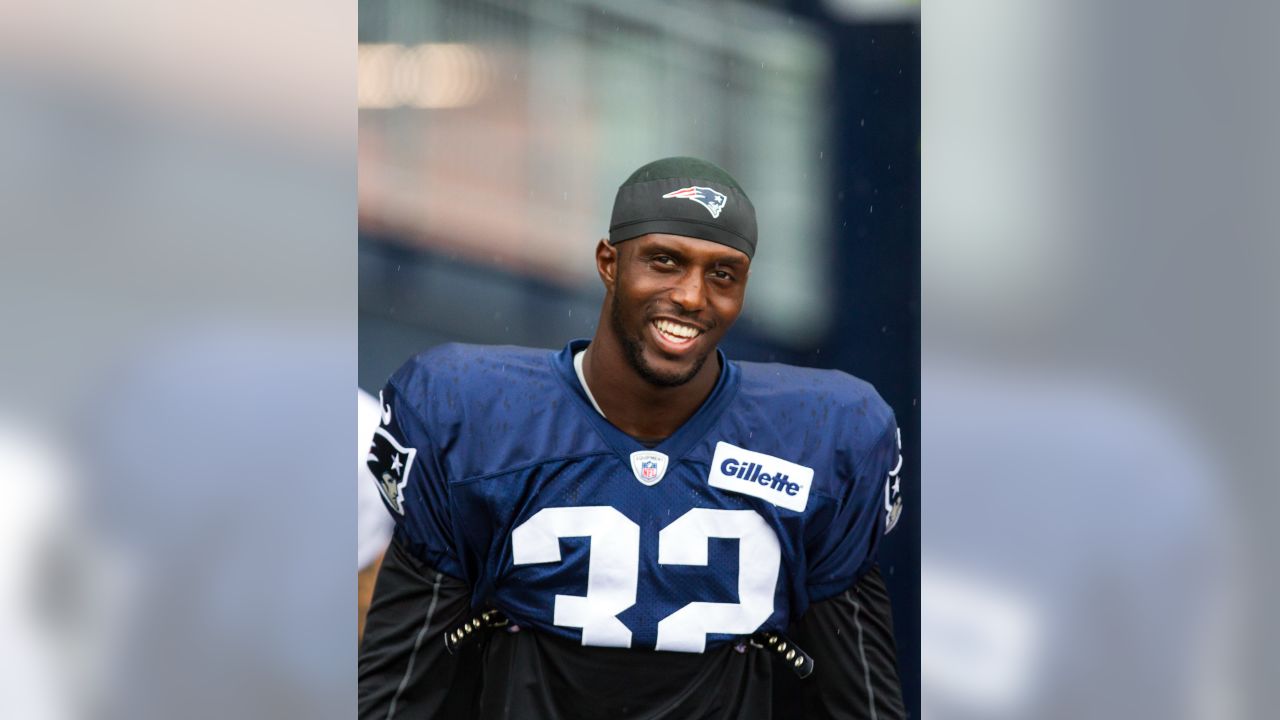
772,496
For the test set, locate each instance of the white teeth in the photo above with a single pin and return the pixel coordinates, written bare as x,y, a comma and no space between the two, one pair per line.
683,332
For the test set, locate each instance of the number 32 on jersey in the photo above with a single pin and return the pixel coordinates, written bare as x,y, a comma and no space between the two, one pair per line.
613,570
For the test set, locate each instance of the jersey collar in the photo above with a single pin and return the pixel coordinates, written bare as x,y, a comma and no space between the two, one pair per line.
682,440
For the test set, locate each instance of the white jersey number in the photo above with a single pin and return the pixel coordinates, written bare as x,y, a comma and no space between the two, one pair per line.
614,567
684,542
612,570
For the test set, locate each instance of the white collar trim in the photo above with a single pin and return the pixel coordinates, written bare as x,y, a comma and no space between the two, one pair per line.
582,379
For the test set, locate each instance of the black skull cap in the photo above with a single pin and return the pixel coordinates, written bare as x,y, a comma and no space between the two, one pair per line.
684,196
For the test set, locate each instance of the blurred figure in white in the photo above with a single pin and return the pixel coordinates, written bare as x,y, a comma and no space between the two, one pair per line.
374,524
31,677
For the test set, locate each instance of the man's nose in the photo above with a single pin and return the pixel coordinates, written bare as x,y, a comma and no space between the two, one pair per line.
690,293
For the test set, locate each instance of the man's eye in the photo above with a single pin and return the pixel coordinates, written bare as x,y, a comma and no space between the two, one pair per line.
664,260
722,274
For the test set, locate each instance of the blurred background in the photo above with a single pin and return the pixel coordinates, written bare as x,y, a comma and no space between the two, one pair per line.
494,134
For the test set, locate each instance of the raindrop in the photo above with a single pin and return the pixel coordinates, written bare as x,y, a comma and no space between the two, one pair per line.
862,122
819,154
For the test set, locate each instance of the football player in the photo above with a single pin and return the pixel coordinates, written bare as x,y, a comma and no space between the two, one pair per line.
635,526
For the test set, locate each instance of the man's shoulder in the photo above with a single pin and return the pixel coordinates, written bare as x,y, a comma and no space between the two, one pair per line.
473,367
816,390
829,421
449,382
488,408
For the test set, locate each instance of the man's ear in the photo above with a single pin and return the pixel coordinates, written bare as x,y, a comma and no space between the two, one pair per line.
607,263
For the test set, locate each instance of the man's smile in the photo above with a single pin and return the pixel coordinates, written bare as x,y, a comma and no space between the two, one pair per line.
677,335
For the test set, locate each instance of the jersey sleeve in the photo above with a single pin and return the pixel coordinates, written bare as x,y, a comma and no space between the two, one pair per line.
855,667
867,506
404,665
410,475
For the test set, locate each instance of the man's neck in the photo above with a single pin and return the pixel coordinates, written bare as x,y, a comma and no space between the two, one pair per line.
634,405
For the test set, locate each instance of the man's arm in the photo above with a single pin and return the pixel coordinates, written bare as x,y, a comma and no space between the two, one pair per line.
405,671
850,638
364,594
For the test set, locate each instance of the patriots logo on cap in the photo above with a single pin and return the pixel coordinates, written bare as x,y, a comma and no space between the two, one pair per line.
708,198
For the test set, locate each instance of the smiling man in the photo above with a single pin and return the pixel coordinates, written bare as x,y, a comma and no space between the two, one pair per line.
635,526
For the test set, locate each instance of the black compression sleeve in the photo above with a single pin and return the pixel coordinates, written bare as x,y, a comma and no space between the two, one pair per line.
850,637
405,671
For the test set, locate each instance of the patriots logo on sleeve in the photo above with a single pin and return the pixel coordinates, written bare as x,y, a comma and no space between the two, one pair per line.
713,200
389,459
893,492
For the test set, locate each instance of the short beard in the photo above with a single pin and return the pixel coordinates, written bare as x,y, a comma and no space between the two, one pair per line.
634,351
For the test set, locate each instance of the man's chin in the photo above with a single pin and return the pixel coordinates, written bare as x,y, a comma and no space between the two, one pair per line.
650,364
665,373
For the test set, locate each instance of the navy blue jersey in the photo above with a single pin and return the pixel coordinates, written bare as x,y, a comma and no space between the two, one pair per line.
773,496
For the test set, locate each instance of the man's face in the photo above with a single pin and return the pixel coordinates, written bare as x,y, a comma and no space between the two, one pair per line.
674,297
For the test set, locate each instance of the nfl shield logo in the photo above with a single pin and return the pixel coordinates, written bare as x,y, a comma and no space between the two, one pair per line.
649,466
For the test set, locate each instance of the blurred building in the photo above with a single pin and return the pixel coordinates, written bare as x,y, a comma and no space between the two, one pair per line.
494,134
